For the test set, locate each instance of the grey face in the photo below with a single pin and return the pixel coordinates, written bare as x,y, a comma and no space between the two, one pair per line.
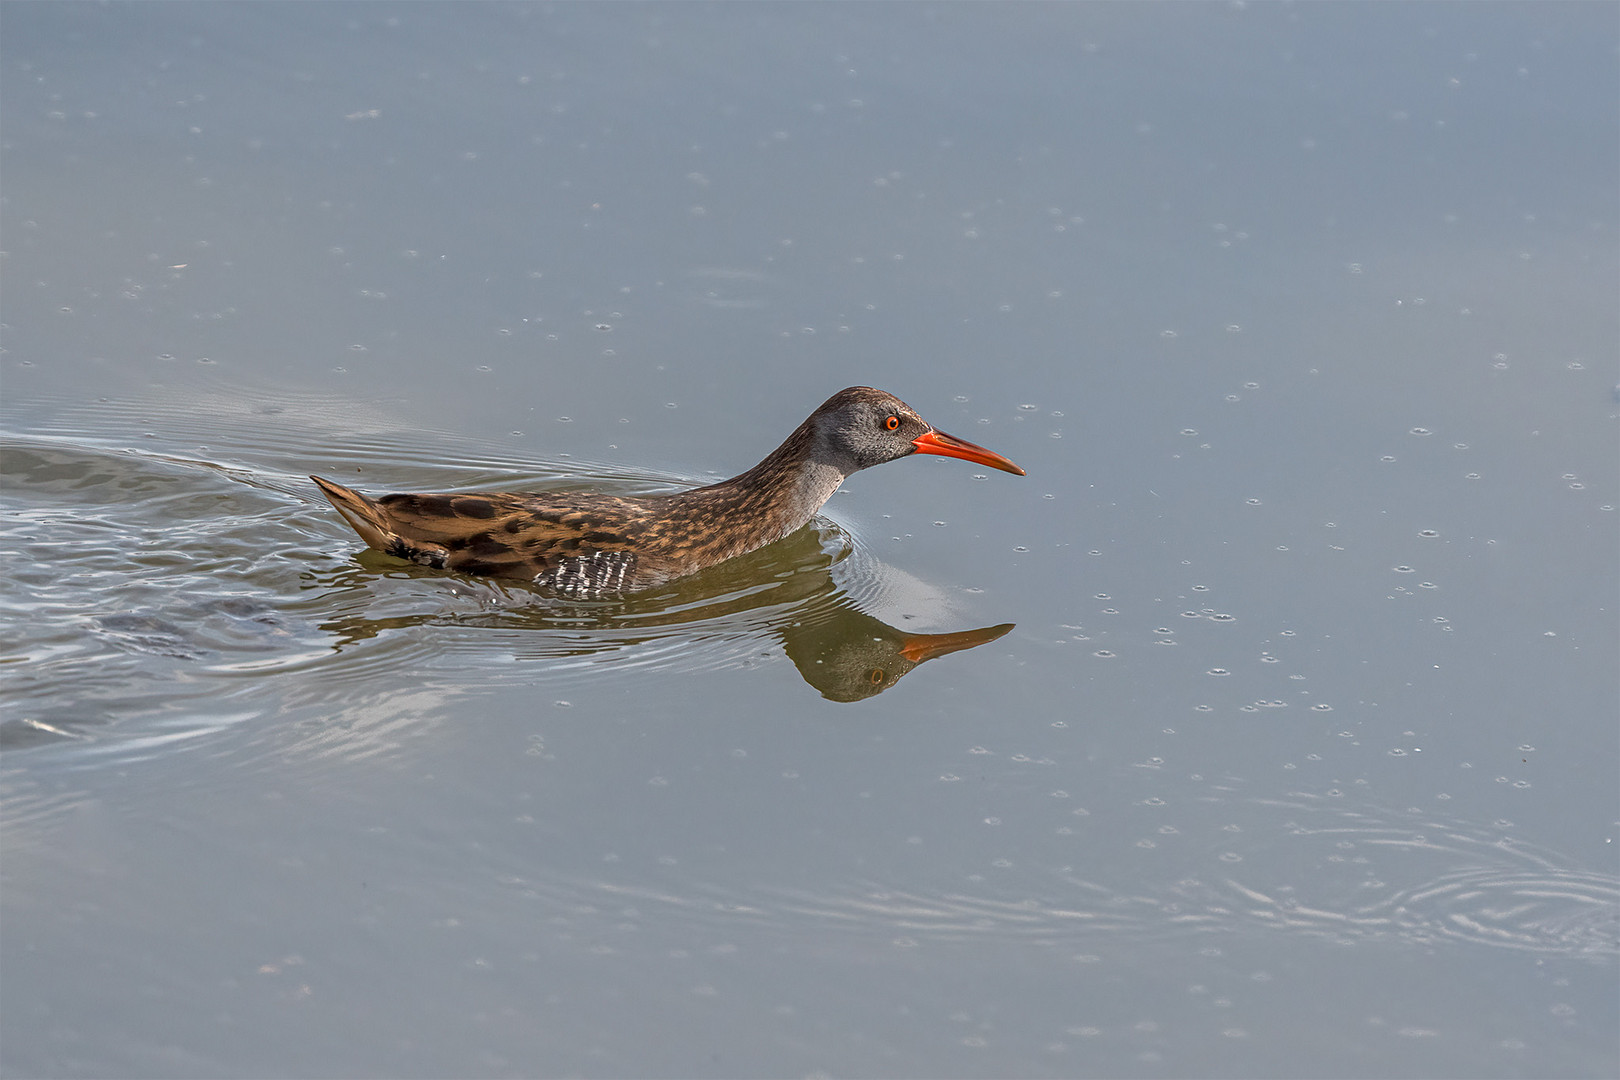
860,427
861,434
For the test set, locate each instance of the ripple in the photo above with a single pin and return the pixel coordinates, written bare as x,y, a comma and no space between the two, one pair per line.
142,583
1487,892
1550,910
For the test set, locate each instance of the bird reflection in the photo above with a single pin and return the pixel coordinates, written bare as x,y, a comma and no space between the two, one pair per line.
854,656
789,592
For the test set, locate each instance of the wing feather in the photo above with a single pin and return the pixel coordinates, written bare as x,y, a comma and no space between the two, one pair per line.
512,535
579,543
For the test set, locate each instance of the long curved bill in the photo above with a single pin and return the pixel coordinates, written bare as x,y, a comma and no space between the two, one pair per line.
937,442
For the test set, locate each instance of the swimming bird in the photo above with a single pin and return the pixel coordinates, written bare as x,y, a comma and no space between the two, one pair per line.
585,545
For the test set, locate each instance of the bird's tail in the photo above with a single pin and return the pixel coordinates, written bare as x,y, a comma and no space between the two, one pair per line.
360,512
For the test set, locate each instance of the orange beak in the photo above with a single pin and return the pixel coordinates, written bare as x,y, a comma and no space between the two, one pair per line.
920,647
937,442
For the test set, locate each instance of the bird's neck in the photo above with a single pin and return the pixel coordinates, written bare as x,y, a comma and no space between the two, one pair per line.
776,497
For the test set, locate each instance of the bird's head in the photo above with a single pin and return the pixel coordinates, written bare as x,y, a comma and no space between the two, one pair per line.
860,427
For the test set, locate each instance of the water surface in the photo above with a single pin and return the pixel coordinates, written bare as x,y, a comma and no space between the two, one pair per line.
1266,728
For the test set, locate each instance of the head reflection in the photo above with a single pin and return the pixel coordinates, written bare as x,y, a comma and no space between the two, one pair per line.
852,656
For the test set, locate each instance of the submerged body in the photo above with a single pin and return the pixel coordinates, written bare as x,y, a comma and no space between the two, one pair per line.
586,545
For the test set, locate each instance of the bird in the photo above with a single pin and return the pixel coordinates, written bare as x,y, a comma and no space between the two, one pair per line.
590,546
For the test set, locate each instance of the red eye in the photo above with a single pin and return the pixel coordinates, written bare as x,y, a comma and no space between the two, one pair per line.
892,423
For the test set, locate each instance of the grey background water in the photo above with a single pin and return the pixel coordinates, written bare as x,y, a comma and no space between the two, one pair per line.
1300,758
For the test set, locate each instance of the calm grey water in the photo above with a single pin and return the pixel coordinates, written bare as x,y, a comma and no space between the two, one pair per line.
1299,756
